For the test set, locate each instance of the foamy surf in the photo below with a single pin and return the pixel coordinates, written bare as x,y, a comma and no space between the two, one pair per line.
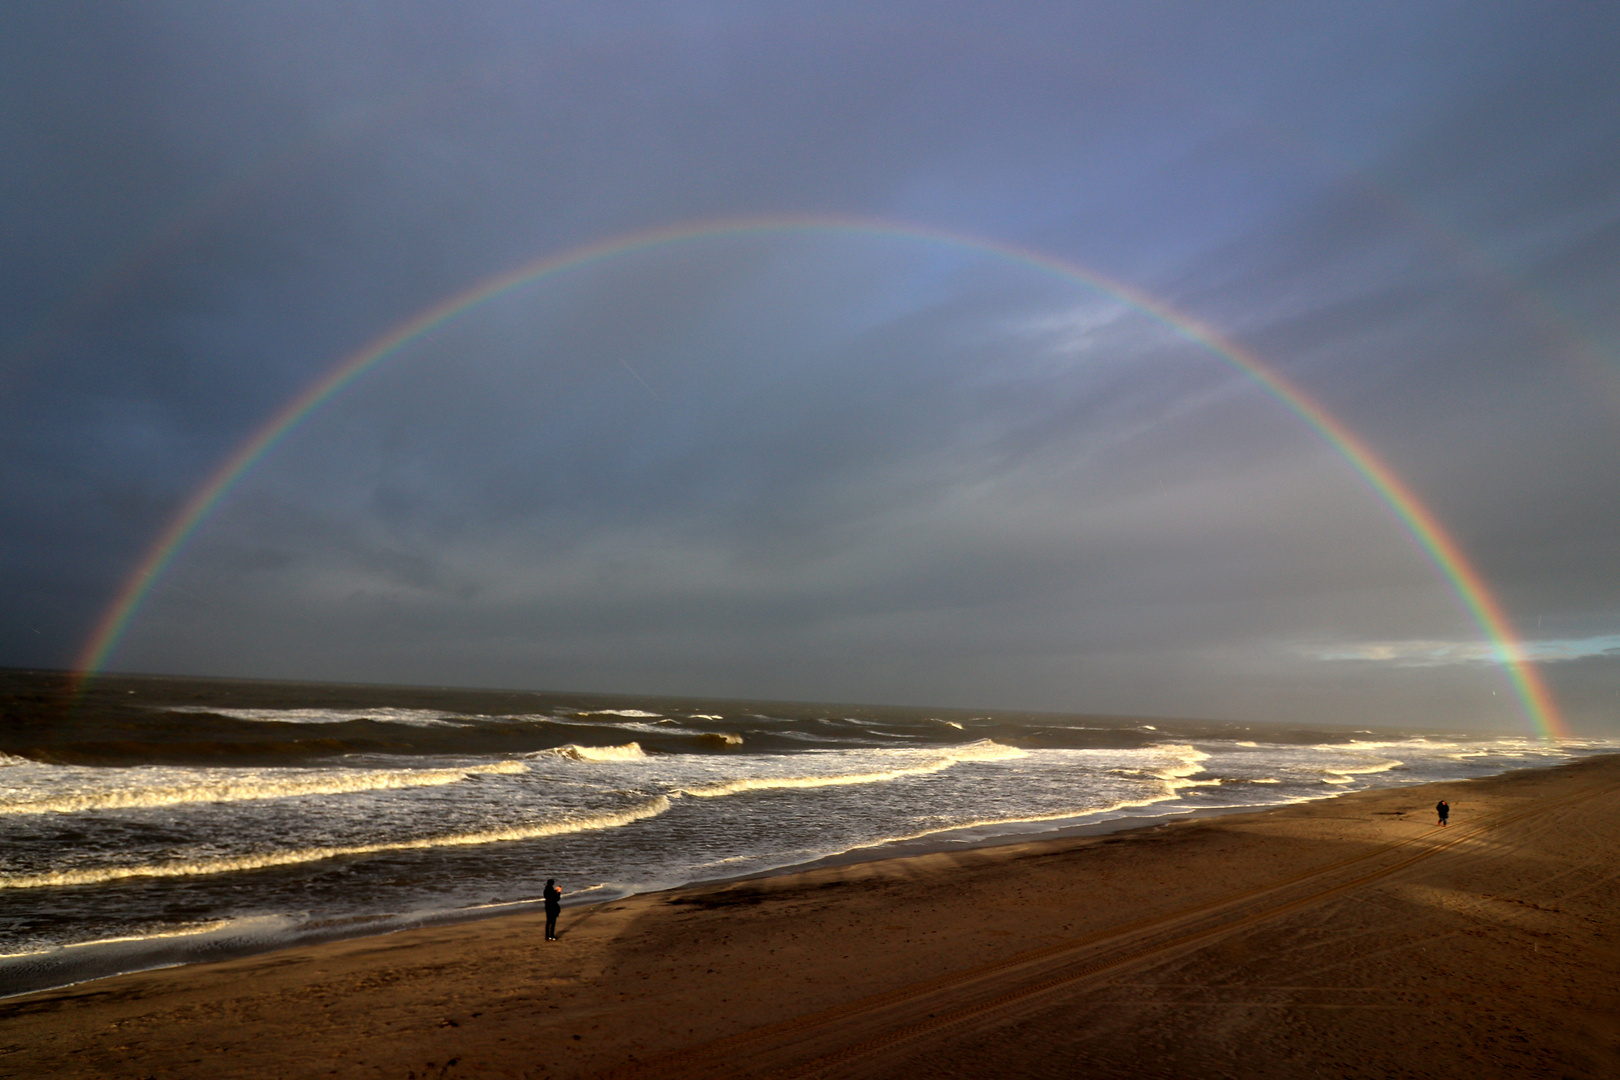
293,857
984,750
1348,774
627,752
98,859
268,784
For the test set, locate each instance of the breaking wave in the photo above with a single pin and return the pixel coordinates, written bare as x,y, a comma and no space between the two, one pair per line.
1347,774
1189,762
293,857
281,785
983,750
628,752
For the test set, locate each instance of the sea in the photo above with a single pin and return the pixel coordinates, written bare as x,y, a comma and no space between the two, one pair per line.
148,822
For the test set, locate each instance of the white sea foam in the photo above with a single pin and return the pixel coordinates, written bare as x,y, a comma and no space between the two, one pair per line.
1346,774
627,752
670,727
705,716
1188,760
1160,793
915,764
1168,768
263,784
1342,764
634,714
296,856
985,750
1071,813
194,930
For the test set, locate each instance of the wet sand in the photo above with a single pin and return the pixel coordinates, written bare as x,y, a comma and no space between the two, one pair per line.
1348,937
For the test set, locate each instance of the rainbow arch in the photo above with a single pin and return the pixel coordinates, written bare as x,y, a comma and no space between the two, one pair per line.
1425,528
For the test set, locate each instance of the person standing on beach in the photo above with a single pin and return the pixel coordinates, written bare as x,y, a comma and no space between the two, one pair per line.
1443,808
553,897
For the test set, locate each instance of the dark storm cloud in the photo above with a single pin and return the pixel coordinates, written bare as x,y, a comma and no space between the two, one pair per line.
859,468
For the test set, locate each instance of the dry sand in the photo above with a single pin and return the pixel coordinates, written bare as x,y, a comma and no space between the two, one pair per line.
1349,937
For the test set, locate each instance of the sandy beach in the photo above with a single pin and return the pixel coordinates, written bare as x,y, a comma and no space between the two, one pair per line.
1346,937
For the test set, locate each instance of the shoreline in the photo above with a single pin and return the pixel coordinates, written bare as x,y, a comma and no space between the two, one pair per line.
1355,912
108,960
187,950
192,950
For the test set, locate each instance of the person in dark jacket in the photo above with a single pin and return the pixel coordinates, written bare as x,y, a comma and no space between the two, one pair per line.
553,897
1443,808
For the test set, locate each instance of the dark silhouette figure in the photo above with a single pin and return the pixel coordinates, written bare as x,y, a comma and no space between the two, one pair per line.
1443,808
553,897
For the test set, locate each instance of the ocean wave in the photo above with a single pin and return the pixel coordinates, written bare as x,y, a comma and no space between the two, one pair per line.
383,715
663,729
704,716
634,714
573,752
9,759
1346,774
1343,763
281,784
1186,762
191,930
1189,761
806,737
644,727
1059,814
983,750
297,856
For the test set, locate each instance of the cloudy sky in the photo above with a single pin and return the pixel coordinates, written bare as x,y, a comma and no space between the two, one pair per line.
877,456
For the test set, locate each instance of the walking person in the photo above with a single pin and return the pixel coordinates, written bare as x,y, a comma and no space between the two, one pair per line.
1443,808
553,897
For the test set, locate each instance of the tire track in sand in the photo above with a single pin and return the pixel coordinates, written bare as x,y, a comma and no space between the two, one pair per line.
796,1048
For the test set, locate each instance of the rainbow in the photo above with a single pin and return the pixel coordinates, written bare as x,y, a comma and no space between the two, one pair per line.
1476,597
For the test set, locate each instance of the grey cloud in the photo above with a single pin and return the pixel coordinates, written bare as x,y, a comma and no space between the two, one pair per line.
817,467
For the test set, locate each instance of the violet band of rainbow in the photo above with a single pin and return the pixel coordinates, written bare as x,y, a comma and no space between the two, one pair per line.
1486,612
